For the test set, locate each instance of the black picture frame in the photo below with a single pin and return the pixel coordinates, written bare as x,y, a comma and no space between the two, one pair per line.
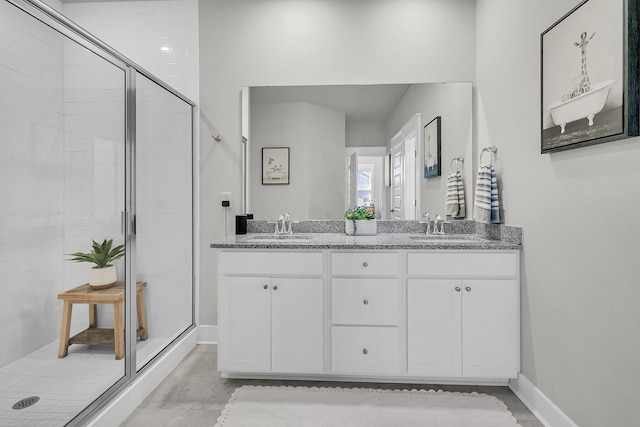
589,91
276,168
432,148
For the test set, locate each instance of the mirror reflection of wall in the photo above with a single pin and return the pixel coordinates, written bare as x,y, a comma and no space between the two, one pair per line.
319,123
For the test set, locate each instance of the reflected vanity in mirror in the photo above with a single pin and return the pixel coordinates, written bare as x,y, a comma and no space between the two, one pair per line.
339,137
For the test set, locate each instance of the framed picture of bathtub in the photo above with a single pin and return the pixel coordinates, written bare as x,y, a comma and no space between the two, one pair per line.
275,165
432,149
589,76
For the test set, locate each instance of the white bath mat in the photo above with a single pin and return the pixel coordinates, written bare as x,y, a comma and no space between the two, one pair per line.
265,406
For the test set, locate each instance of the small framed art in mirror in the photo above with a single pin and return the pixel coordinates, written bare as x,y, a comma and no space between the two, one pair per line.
432,149
275,165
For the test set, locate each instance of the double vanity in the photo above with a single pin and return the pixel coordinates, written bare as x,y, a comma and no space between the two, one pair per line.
400,306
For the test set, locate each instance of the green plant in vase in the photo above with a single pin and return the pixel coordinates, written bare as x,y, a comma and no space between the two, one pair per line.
358,213
103,274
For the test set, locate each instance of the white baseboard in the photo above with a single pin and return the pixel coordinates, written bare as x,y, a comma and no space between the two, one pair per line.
127,401
540,405
207,334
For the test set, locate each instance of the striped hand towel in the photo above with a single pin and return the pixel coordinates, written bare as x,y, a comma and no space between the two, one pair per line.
482,201
454,206
486,207
495,205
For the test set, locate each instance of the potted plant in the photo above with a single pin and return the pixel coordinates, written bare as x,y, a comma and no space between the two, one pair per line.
360,222
103,275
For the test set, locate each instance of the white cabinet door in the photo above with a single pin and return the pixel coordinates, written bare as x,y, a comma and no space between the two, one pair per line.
467,328
244,324
434,327
297,325
490,325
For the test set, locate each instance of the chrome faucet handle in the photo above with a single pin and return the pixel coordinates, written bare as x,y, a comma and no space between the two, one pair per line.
436,220
426,221
279,225
428,230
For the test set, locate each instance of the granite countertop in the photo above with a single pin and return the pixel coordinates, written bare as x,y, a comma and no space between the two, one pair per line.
379,241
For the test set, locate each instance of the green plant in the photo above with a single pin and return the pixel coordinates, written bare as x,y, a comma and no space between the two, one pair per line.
102,254
356,214
359,212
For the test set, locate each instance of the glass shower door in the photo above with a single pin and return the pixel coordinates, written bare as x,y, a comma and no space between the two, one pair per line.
62,185
164,198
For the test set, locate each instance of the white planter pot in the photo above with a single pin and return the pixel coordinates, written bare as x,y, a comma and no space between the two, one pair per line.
102,278
363,227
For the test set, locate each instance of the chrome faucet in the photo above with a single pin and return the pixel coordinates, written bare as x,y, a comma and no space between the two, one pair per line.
436,220
283,224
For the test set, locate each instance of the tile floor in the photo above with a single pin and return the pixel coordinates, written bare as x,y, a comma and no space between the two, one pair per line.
194,394
64,386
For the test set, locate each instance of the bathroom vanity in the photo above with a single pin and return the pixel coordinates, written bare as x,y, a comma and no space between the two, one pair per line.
393,307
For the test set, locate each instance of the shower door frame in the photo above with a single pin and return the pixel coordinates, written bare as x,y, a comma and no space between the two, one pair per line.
58,22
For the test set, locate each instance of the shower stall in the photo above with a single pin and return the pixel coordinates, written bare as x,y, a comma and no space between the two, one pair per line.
92,147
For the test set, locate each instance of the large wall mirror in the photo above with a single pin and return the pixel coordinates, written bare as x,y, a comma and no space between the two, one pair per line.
326,127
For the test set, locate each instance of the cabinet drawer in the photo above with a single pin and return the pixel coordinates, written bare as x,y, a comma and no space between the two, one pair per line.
360,350
463,265
270,263
365,301
365,264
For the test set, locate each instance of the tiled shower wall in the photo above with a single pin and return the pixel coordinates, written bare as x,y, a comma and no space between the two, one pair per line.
162,37
94,105
62,170
164,208
62,173
159,35
31,183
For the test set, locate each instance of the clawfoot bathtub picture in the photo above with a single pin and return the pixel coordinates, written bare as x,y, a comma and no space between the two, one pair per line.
582,76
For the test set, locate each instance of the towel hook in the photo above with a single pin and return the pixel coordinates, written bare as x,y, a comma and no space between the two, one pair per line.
216,138
490,150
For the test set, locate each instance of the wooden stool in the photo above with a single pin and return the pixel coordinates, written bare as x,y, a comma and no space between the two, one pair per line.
93,335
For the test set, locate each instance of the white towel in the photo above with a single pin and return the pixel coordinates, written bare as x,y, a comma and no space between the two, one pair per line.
486,207
454,205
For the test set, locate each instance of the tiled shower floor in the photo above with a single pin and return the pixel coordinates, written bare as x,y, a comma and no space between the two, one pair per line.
65,386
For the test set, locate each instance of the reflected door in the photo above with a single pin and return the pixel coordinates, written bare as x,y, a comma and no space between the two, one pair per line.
397,179
352,199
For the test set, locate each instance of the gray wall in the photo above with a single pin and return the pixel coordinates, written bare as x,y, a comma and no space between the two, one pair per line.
316,138
453,103
312,42
366,134
580,341
579,210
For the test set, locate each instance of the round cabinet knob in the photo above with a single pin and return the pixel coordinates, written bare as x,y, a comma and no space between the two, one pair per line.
365,351
468,289
365,302
265,287
457,288
275,287
365,264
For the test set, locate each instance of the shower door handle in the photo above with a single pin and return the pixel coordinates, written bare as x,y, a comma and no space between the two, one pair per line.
127,218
